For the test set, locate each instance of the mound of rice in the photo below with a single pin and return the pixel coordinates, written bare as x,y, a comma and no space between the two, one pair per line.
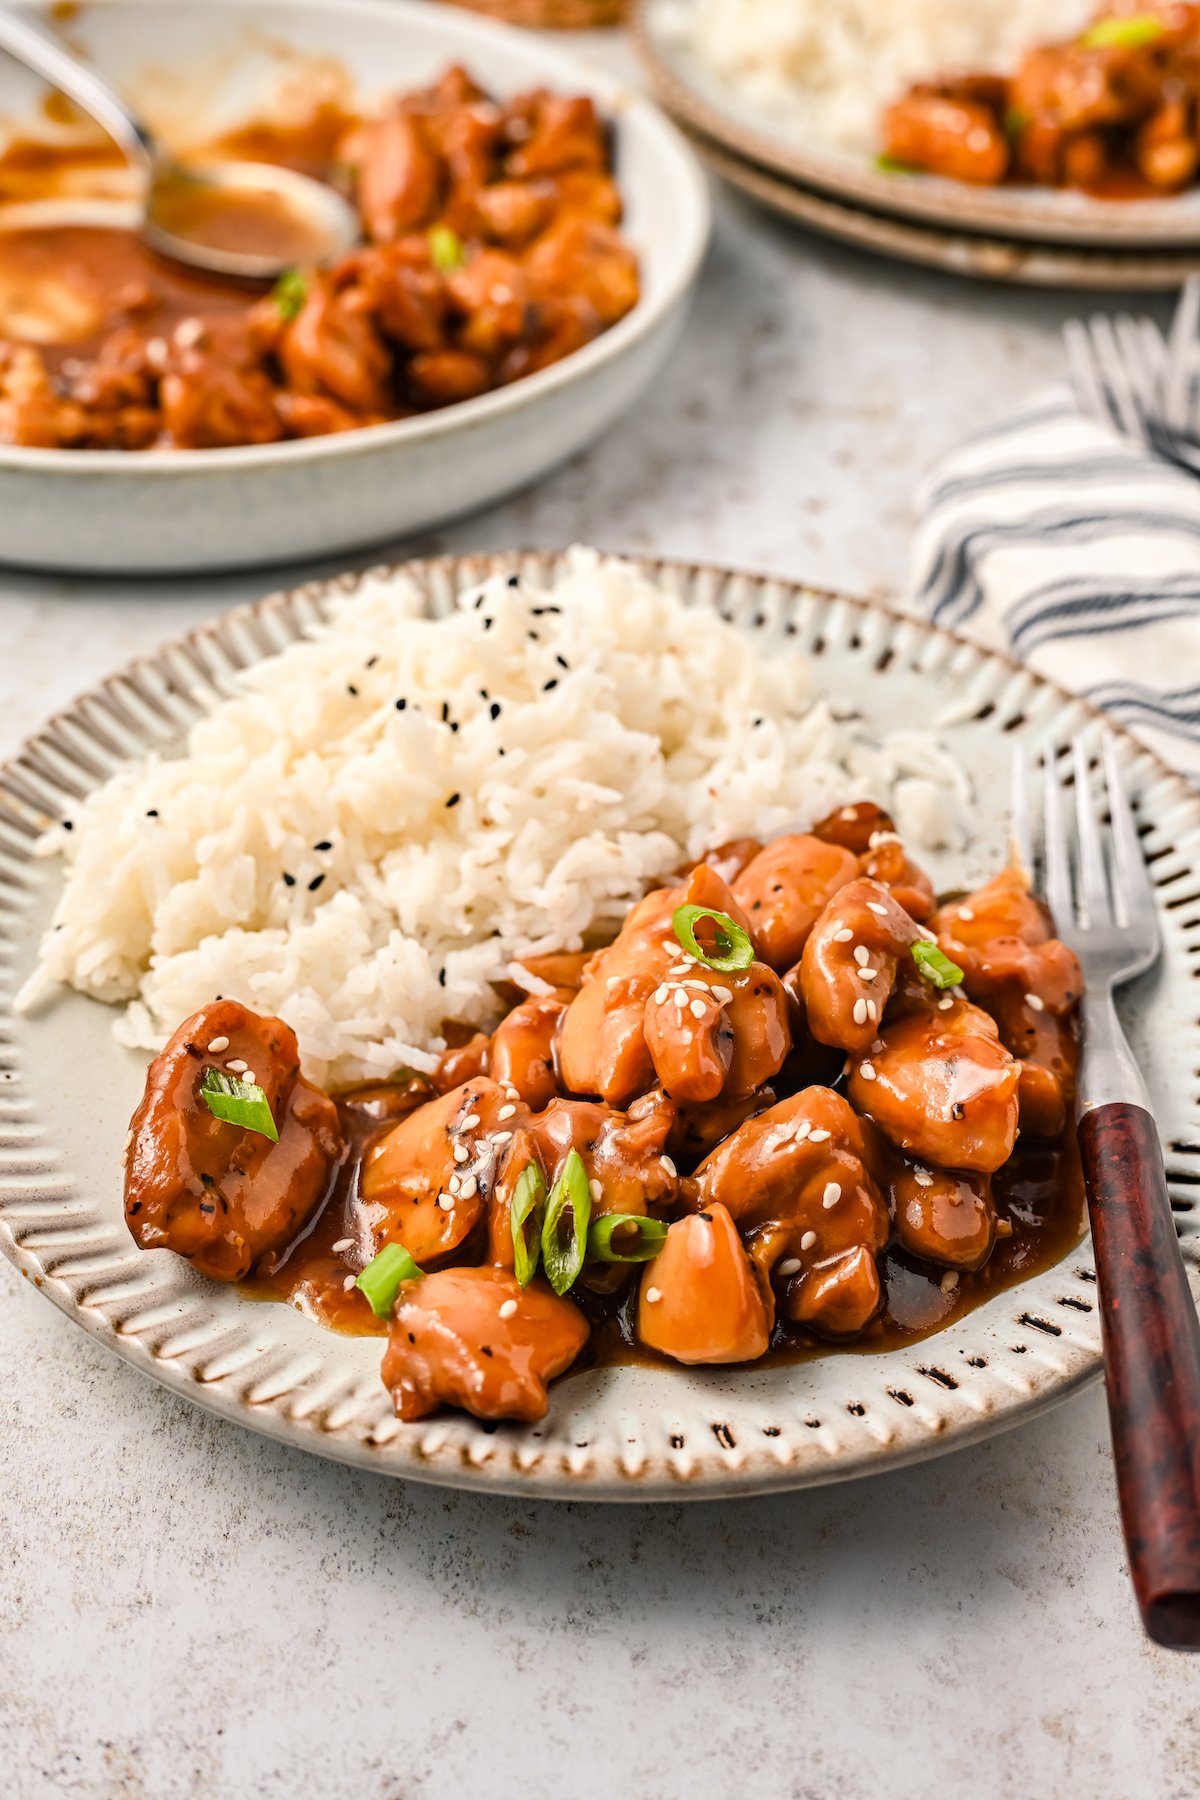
827,68
387,816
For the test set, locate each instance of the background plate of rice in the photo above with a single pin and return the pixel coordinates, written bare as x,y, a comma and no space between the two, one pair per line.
696,703
800,87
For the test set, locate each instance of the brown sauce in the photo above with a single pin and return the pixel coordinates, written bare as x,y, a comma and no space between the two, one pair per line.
257,221
1039,1191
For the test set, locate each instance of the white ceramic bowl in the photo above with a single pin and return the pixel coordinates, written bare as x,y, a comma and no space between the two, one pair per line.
212,509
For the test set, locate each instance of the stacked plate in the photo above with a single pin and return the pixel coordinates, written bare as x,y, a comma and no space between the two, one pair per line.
1045,237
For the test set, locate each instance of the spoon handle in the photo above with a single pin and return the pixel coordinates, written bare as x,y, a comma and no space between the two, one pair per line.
80,83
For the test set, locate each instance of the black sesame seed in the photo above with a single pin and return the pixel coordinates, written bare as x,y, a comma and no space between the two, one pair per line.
315,883
288,880
552,683
370,662
483,694
454,724
68,824
479,600
400,705
486,1350
454,800
514,581
323,845
494,709
152,812
562,662
441,977
533,637
488,623
136,1207
208,1180
445,712
206,1206
352,690
194,1050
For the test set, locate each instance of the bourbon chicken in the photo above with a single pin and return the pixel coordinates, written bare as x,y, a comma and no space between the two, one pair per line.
791,1094
491,250
1115,110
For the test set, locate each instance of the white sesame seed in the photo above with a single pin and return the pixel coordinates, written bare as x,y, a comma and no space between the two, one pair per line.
802,1130
831,1196
843,936
500,1137
461,1153
872,1011
949,1281
867,974
508,1309
701,987
860,1012
217,1045
808,1240
188,332
348,1283
818,1136
678,969
612,981
877,908
596,1189
848,812
342,1244
662,994
680,998
867,1071
697,1009
922,1177
722,995
653,1295
964,912
790,1266
1036,1002
946,1004
512,1093
454,1183
236,1067
506,1112
862,955
669,1166
468,1189
470,1122
446,1202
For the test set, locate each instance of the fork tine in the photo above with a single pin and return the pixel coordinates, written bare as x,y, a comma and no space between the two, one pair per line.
1058,856
1089,391
1133,893
1180,345
1022,815
1093,878
1115,376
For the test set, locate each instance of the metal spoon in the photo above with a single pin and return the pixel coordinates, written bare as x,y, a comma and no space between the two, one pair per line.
186,207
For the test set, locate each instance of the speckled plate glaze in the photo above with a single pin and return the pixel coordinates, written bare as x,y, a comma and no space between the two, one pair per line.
66,1093
957,252
695,95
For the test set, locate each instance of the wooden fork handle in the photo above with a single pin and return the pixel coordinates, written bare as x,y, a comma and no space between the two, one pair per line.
1152,1366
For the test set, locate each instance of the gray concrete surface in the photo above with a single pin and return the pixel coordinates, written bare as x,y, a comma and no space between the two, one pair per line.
186,1610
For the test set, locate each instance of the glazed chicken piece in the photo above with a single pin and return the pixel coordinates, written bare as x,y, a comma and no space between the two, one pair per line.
961,139
1029,982
580,256
799,1179
426,1183
647,1011
401,290
32,412
945,1217
702,1300
225,1197
474,1338
332,347
942,1086
553,132
870,833
784,890
398,180
849,964
521,1054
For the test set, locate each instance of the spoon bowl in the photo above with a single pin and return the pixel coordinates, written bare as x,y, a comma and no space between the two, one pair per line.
251,220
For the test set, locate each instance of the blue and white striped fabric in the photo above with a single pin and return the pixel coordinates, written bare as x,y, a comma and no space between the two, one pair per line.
1075,551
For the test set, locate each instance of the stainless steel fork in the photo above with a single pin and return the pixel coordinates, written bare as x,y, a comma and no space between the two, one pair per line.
1092,874
1126,375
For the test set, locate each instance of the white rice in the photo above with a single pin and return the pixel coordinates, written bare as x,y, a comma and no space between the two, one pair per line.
826,69
635,732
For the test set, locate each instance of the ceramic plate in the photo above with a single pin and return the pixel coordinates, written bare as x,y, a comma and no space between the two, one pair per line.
696,95
959,253
200,68
66,1093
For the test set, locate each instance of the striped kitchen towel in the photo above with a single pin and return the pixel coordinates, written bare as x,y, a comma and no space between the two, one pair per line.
1050,537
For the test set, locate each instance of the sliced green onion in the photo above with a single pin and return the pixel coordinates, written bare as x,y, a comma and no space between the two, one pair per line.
891,165
733,948
1123,34
565,1230
625,1238
1016,121
525,1215
446,248
381,1279
935,965
289,294
237,1102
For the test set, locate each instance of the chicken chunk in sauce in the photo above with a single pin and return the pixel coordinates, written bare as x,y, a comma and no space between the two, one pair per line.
772,1078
